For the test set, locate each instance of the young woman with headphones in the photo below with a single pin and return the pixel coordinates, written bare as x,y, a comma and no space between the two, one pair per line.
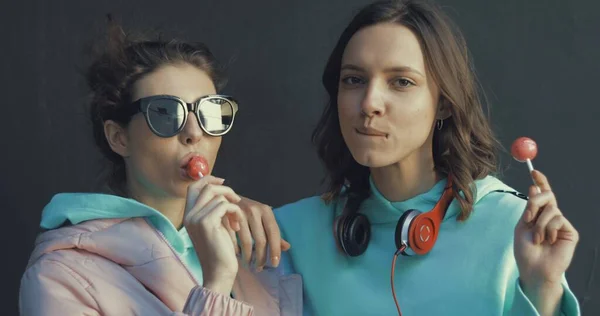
410,159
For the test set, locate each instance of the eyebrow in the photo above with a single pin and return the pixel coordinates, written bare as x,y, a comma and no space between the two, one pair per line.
391,69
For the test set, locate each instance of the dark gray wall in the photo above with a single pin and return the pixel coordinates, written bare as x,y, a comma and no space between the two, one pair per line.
537,60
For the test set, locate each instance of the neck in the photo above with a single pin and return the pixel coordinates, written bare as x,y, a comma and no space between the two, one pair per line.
405,179
171,207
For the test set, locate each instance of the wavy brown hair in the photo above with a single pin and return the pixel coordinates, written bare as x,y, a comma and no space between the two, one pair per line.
465,147
120,60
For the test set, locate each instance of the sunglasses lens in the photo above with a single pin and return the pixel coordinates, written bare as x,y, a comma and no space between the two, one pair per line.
216,115
166,116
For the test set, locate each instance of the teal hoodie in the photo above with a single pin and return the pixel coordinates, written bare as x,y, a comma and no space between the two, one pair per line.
470,271
74,208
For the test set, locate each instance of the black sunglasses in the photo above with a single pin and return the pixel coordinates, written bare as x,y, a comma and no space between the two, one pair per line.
166,115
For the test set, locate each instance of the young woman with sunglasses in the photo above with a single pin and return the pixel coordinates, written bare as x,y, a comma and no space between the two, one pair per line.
163,242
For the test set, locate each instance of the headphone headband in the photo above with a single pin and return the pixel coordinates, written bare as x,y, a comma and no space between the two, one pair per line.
416,230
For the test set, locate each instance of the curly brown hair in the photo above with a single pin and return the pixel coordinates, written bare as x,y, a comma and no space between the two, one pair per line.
117,63
465,147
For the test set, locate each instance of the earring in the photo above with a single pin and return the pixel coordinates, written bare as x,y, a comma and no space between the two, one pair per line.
439,124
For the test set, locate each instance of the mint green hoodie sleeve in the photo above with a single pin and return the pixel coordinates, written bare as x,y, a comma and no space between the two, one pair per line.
521,305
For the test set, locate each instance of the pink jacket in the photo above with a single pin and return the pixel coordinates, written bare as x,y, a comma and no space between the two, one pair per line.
126,267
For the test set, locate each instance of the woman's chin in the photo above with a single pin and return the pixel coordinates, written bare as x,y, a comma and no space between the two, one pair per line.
371,159
180,190
174,189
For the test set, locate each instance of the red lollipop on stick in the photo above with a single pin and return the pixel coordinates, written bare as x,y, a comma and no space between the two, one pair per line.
197,167
524,149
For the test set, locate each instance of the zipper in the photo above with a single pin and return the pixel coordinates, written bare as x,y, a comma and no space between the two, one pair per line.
162,236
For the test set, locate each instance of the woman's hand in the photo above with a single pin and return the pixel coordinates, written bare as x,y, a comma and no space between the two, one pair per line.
544,245
263,229
211,218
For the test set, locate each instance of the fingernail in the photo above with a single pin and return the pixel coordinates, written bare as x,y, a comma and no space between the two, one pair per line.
259,269
538,238
275,260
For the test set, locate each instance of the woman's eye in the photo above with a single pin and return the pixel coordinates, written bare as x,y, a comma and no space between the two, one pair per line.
403,83
352,80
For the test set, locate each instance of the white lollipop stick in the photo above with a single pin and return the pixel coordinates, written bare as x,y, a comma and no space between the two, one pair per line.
530,167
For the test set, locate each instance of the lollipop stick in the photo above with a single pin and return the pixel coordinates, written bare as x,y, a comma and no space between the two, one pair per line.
200,175
530,167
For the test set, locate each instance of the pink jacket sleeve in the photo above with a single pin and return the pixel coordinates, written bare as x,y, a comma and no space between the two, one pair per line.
204,302
52,288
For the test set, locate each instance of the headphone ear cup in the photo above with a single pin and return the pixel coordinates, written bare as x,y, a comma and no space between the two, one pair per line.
338,231
402,236
353,233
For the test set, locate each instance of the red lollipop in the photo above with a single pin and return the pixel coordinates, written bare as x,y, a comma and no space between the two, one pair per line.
197,167
524,149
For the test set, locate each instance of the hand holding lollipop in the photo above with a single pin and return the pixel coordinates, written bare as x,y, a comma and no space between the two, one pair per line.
212,219
544,241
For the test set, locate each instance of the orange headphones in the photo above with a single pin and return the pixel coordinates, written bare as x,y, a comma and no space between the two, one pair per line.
416,231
